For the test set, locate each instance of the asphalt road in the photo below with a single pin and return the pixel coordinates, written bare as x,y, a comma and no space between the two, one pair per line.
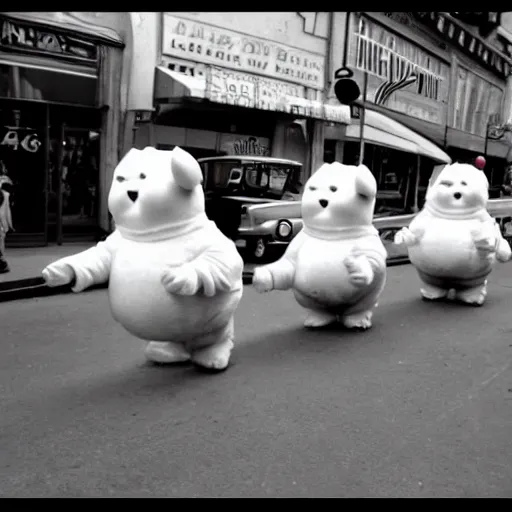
420,406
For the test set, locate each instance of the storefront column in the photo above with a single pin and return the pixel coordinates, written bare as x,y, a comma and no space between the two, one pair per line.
316,145
109,91
289,142
507,113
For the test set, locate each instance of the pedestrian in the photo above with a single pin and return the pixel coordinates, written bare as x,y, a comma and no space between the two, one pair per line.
5,220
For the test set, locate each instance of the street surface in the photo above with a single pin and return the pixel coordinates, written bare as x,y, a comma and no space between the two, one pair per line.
420,406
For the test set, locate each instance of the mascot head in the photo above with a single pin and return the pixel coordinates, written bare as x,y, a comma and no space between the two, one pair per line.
153,189
339,196
460,190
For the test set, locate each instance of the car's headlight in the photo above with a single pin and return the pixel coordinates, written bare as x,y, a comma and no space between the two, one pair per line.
284,229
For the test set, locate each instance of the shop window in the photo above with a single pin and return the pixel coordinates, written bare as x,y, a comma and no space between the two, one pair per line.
22,160
329,151
46,85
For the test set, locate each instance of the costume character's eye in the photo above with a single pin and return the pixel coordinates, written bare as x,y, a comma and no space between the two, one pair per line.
312,188
333,188
120,179
447,183
142,176
463,183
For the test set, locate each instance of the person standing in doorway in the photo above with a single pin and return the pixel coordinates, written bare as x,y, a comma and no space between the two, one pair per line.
5,215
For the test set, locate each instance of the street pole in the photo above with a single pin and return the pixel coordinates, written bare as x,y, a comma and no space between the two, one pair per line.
362,119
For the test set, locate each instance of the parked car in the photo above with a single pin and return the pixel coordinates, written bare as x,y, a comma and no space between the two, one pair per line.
253,200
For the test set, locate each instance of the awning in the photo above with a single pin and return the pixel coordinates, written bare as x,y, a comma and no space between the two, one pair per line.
54,65
72,21
384,131
171,85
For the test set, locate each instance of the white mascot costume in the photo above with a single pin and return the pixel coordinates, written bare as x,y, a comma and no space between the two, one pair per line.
336,265
453,242
174,279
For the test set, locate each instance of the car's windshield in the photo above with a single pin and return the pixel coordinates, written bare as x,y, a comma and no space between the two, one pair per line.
249,177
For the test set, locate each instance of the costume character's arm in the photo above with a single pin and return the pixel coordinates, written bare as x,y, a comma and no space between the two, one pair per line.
280,274
413,234
363,263
86,268
486,237
503,250
218,268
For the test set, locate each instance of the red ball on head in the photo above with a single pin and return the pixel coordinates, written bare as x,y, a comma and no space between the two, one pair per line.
480,162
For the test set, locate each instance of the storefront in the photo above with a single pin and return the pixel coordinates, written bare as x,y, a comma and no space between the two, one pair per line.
59,88
429,72
221,92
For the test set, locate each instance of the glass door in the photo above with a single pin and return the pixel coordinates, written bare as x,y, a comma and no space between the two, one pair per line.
73,182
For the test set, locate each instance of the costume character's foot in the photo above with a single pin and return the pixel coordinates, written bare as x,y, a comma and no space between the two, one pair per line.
166,353
317,319
361,321
429,292
214,357
474,296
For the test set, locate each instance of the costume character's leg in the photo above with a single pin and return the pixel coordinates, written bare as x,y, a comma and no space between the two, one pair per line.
475,296
317,315
359,315
213,350
166,352
430,292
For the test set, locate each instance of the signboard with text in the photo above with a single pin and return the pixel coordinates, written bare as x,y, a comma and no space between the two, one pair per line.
252,91
23,37
402,76
234,144
207,44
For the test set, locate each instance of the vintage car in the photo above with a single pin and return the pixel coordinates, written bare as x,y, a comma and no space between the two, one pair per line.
253,200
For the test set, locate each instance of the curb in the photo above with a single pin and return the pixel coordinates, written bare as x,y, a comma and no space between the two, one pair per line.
35,287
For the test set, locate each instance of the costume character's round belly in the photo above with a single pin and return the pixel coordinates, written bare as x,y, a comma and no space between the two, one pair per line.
321,276
447,251
140,303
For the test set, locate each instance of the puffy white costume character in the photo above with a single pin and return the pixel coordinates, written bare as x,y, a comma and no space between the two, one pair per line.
336,265
453,242
174,279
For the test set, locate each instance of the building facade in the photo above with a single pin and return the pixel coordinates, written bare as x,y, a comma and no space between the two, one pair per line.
61,108
241,83
444,75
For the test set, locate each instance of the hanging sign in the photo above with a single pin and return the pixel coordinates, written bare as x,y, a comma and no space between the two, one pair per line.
22,36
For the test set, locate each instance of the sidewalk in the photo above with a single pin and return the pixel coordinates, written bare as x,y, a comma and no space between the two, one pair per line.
25,280
27,263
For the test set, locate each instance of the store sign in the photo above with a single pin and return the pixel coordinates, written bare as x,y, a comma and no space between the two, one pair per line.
393,65
251,91
24,138
245,145
206,44
24,37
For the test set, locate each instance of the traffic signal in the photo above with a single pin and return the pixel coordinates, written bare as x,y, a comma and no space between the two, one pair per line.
346,89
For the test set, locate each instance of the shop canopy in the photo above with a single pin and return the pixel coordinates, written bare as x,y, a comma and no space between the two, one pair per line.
384,131
172,85
81,22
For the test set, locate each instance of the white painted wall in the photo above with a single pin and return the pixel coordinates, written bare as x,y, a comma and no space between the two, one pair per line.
145,52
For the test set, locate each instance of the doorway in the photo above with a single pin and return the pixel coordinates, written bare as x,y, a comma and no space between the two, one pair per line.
73,180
